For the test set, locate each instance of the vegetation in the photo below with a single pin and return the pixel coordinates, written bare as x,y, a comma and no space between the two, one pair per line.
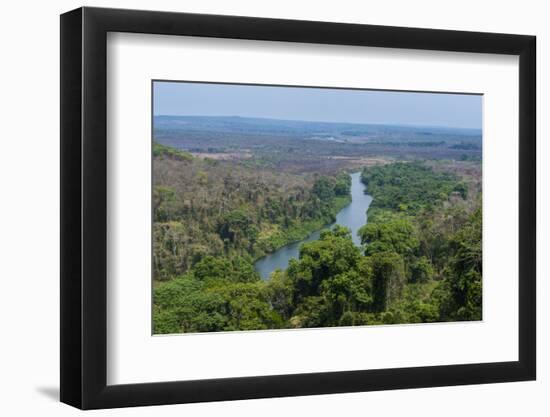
420,258
312,147
218,208
410,187
431,222
162,151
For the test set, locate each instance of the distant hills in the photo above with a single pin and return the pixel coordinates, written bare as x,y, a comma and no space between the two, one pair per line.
174,126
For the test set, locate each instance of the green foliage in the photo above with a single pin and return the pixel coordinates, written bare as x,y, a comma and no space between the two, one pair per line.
439,243
323,188
237,226
420,259
333,254
396,235
280,292
342,187
329,278
421,270
407,187
388,278
163,151
186,304
348,291
223,209
465,269
236,269
462,189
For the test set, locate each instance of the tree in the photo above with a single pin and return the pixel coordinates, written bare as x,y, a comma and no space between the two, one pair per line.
465,269
246,307
212,268
397,235
234,225
349,291
188,305
333,254
421,270
407,187
323,188
280,292
342,187
330,278
388,278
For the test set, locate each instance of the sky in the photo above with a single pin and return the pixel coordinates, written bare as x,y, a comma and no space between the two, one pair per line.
317,104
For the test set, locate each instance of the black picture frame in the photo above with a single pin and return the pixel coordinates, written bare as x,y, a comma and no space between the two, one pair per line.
84,207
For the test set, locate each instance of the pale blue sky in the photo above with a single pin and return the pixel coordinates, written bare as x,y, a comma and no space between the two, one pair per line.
318,104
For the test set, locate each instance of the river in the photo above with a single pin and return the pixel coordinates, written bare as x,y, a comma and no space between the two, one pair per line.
353,216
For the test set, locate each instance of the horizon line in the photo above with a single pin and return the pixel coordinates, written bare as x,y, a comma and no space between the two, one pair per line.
327,122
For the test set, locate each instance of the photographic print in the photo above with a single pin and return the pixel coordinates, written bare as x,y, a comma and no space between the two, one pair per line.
330,185
290,207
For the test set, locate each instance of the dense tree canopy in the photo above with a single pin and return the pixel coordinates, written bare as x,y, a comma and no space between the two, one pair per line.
410,187
420,258
208,207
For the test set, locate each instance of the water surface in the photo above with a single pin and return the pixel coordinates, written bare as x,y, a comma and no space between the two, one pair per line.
353,216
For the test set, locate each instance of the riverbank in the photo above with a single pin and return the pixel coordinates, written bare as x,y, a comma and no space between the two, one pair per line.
351,213
275,238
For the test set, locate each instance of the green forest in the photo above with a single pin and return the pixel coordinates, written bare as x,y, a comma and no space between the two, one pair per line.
205,207
419,260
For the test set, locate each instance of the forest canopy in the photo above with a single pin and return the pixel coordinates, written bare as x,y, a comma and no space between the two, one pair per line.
419,260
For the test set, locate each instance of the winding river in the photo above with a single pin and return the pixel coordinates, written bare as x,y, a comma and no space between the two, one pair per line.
353,216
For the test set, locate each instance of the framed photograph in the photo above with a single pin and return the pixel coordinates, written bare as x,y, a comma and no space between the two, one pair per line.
258,208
